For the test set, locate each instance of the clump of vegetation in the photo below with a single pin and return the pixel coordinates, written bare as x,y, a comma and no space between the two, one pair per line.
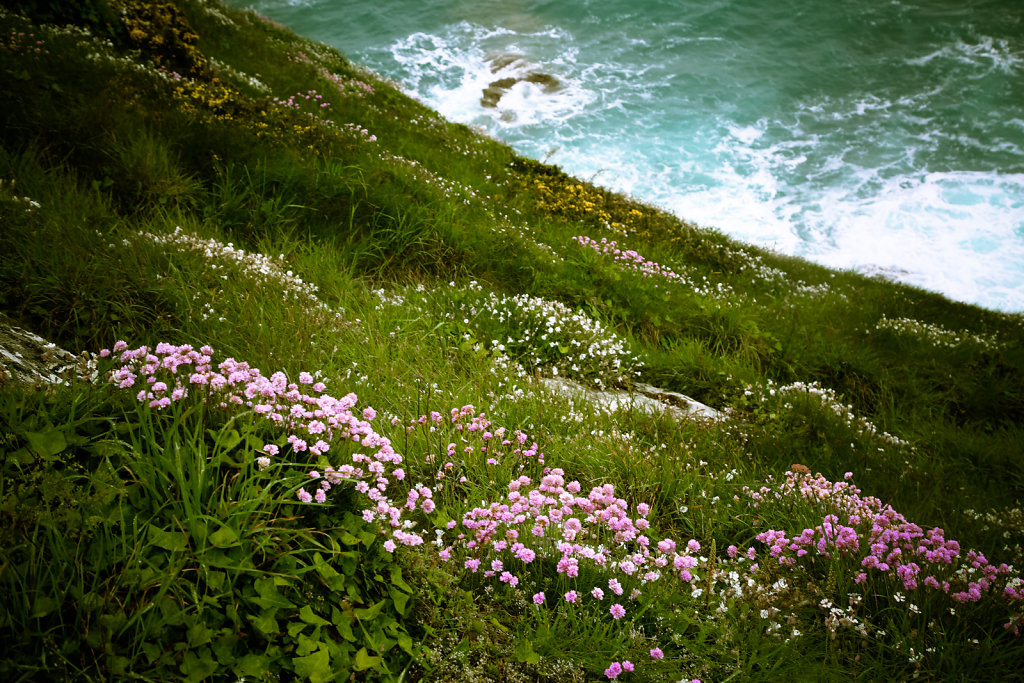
313,435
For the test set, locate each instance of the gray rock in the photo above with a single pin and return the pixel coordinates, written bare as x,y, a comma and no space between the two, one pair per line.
27,358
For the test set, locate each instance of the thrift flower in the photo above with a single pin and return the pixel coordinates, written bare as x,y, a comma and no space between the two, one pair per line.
656,653
618,611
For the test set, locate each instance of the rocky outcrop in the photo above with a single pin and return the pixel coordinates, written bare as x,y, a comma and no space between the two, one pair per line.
521,73
643,397
27,358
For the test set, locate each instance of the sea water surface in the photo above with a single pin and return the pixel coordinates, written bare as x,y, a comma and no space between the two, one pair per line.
880,135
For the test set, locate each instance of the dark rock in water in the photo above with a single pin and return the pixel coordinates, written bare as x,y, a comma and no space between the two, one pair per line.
505,60
495,90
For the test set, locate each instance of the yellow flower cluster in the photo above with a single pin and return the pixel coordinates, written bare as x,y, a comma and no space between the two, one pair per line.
560,195
162,33
214,99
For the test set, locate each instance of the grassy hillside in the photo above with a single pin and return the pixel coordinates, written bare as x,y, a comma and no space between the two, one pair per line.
315,436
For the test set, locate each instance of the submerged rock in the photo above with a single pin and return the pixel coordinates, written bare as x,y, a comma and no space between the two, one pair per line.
496,89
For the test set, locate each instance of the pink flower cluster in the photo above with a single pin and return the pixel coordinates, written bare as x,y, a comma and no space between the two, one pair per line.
628,258
348,86
312,97
884,543
312,419
551,518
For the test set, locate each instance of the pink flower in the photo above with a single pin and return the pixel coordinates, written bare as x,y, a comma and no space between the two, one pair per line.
389,545
656,653
618,611
304,495
538,598
627,665
613,671
597,593
571,597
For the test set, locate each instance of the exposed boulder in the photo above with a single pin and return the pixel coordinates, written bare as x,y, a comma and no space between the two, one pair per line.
27,358
522,73
643,397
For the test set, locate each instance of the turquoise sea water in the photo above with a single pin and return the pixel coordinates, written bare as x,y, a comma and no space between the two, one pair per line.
880,135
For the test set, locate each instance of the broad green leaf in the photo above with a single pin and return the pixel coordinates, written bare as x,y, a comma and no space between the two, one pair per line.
343,622
399,598
269,596
199,634
215,579
252,665
371,612
364,660
226,439
316,667
405,643
224,537
397,580
334,580
196,667
47,444
43,605
525,653
175,541
265,623
307,615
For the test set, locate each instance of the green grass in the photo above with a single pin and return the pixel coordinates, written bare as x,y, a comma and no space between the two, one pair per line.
425,267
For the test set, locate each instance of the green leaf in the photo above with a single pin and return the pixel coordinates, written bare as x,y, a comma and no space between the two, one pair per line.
224,537
197,667
397,580
525,653
364,660
199,634
371,612
307,615
334,580
343,622
252,665
405,643
268,594
43,605
316,667
227,440
265,623
215,579
399,598
47,444
175,541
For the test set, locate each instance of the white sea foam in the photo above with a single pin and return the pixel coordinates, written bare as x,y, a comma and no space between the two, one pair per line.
453,71
898,157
